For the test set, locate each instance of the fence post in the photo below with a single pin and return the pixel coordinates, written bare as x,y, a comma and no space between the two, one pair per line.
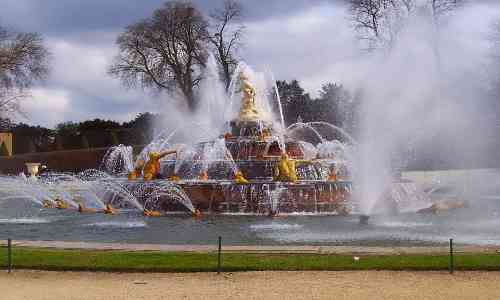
9,255
219,257
451,265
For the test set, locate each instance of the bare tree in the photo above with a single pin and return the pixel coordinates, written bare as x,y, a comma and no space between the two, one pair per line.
379,22
23,60
10,102
443,7
166,51
366,16
226,37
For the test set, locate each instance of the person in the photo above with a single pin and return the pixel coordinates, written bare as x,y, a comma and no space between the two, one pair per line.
203,175
151,213
285,169
239,178
173,178
248,109
445,205
108,210
47,204
333,174
60,204
152,167
83,209
197,213
137,171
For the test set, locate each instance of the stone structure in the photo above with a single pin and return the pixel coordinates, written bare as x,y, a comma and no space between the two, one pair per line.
257,172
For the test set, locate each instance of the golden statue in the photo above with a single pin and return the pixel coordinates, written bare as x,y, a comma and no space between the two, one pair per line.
152,168
82,209
203,175
197,213
248,110
108,210
174,178
239,178
264,134
61,204
284,170
136,173
151,213
333,174
47,204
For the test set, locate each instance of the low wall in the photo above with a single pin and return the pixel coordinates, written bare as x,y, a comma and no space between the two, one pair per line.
60,161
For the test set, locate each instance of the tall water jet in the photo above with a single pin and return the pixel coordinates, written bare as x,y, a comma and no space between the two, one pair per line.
118,159
213,97
401,93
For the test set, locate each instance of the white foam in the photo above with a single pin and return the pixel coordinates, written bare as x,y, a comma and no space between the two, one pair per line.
402,224
115,224
24,221
275,226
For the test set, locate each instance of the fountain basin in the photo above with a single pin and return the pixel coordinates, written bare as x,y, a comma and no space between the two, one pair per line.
258,197
252,169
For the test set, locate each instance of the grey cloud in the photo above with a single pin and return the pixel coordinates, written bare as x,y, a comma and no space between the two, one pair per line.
56,18
310,40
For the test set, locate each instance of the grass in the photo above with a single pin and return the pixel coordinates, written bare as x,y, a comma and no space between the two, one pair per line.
118,261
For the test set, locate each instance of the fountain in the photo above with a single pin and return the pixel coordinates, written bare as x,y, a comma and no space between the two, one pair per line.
254,166
251,178
256,160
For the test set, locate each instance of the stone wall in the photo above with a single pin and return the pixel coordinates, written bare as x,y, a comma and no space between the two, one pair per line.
60,161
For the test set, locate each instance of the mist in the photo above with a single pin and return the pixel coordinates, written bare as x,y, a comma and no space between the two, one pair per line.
425,102
425,96
216,106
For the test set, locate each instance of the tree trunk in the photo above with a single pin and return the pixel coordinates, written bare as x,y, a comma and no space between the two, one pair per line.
187,90
227,75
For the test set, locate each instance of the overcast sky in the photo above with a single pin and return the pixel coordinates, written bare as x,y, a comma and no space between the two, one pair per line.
310,40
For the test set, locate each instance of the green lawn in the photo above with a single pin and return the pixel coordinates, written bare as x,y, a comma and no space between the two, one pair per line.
48,259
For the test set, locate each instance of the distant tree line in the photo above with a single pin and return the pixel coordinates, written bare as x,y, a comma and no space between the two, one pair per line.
95,133
334,104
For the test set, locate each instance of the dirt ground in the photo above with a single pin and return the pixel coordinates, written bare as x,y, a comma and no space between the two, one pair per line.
35,285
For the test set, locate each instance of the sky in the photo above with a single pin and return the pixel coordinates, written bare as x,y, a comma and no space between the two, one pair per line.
308,40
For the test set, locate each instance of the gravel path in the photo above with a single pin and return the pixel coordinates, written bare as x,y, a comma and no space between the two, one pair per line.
36,285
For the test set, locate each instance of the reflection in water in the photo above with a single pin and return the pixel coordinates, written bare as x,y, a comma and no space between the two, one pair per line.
482,227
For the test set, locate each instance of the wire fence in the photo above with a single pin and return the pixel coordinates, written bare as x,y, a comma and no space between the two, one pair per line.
218,261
